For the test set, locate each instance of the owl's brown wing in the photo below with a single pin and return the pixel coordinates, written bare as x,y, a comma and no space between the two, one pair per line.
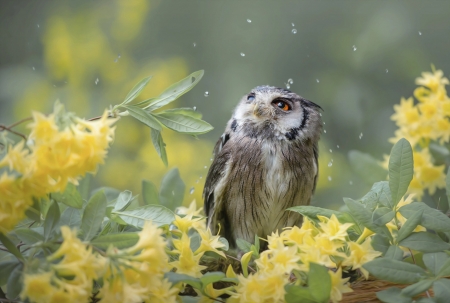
215,174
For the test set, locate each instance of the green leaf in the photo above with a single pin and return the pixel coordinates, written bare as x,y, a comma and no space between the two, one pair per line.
149,193
11,247
184,124
186,111
431,218
394,252
395,271
136,90
120,241
172,189
176,278
71,197
417,288
224,242
313,211
51,220
425,242
441,289
6,268
14,284
34,212
367,167
435,261
401,169
243,245
93,215
71,217
447,185
143,116
445,269
393,295
175,91
211,277
409,226
382,215
159,145
380,243
319,282
424,300
84,186
383,193
158,214
123,200
298,294
28,236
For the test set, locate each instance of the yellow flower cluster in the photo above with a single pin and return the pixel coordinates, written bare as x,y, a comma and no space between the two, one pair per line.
421,123
55,155
294,249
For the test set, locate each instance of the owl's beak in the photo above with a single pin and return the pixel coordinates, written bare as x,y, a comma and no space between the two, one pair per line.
260,110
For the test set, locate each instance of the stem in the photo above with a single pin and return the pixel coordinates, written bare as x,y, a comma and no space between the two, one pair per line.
412,256
20,122
3,127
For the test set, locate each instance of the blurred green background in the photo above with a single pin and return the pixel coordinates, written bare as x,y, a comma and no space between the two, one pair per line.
354,58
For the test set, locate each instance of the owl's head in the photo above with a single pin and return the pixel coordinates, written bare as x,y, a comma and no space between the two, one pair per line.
272,112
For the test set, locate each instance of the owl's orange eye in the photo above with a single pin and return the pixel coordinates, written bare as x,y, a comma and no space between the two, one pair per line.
283,105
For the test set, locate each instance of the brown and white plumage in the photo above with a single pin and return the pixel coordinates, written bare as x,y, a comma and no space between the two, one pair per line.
265,162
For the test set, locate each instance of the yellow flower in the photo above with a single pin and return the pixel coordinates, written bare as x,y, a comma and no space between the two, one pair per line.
187,262
294,235
313,254
37,287
406,112
191,210
338,285
328,246
433,80
187,222
210,243
361,254
285,258
162,292
118,289
333,229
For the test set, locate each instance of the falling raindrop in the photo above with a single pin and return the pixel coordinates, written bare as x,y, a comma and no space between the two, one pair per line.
34,68
201,177
117,59
329,178
194,108
360,136
206,94
325,131
196,181
287,85
191,191
323,123
337,146
350,182
205,167
331,151
294,31
317,80
420,33
330,164
97,81
242,55
290,81
320,114
293,24
194,44
210,159
354,48
249,21
387,71
39,26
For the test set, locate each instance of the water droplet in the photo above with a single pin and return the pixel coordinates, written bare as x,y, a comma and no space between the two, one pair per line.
317,80
330,164
337,146
294,31
201,177
329,178
117,59
242,55
194,44
194,108
206,94
325,131
211,159
354,48
331,151
34,68
287,85
323,123
350,182
97,81
293,24
387,71
320,114
191,191
197,181
420,33
249,21
39,26
360,136
205,167
290,81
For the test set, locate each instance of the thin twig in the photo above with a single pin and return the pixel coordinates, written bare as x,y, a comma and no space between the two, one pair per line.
3,127
20,122
412,256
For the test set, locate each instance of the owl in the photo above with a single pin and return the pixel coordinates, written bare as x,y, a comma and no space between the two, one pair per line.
265,162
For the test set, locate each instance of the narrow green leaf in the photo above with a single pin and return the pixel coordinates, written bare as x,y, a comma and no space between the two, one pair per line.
84,186
149,193
367,167
176,90
186,111
435,261
401,169
136,90
409,226
425,242
393,295
14,284
184,124
93,215
211,277
51,220
441,289
447,185
176,278
298,294
382,215
417,288
28,236
424,300
120,241
71,217
431,218
394,252
319,282
384,194
159,145
143,116
71,197
243,245
445,269
395,271
172,189
123,200
34,212
6,268
313,211
380,243
158,214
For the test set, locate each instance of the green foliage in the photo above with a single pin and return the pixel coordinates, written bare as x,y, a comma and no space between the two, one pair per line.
317,290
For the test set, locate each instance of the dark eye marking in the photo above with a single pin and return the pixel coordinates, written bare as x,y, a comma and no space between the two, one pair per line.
251,97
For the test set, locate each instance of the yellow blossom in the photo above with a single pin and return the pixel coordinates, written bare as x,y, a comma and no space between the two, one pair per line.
187,222
313,254
361,254
339,286
333,228
210,243
191,210
433,81
37,287
187,262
